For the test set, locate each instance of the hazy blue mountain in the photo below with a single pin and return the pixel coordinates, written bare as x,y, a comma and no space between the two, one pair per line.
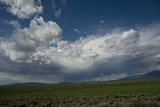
149,75
27,83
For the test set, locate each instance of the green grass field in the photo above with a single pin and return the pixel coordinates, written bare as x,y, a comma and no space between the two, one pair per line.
137,93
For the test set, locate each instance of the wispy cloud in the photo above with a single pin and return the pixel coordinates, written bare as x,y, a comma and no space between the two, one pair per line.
102,21
76,30
58,6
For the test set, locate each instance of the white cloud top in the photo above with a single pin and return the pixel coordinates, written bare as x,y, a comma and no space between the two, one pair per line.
23,8
25,41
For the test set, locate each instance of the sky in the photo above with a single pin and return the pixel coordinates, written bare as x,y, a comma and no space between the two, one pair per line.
54,41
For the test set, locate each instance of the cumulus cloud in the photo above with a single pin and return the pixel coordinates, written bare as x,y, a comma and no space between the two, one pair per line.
39,52
23,8
25,41
86,52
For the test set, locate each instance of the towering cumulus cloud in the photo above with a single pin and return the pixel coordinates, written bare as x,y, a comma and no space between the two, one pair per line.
38,53
23,8
21,45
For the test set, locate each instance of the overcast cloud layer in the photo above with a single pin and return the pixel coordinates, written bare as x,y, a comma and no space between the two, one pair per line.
38,53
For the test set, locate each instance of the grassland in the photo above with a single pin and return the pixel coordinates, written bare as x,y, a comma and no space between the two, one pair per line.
137,93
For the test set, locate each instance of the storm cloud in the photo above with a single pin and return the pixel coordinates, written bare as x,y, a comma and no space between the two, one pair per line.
38,54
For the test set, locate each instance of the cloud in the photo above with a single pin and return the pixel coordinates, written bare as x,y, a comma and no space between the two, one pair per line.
109,77
7,78
58,6
102,21
76,30
25,41
23,8
85,52
15,24
121,47
38,53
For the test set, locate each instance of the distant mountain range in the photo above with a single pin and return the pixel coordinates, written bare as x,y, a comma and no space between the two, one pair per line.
149,75
35,83
27,83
